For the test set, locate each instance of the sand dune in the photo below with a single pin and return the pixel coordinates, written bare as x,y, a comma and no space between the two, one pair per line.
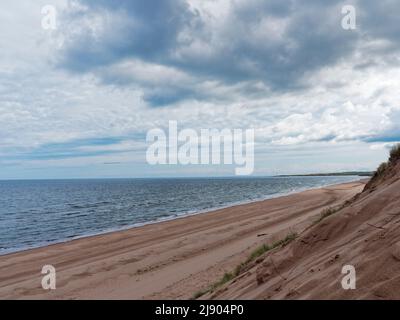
364,234
171,259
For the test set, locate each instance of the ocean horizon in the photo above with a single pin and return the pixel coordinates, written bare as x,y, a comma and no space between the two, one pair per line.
37,213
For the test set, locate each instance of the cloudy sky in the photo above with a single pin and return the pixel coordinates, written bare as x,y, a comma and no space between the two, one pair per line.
78,101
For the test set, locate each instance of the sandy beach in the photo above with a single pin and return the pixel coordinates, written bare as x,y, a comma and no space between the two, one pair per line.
167,260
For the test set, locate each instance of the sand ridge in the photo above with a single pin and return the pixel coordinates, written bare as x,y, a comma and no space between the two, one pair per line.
364,234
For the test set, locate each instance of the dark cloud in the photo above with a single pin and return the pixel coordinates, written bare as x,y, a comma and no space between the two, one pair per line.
276,42
166,96
145,29
299,39
380,19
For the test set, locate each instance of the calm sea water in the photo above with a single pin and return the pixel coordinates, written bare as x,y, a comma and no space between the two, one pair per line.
36,213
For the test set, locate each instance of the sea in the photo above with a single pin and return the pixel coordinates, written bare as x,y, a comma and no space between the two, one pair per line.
35,213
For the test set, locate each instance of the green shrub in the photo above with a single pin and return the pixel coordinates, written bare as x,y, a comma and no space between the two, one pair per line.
226,278
281,243
258,252
198,294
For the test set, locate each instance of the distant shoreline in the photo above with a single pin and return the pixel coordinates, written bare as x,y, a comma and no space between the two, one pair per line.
350,173
333,174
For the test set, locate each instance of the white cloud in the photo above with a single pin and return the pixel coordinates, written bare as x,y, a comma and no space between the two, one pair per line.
341,103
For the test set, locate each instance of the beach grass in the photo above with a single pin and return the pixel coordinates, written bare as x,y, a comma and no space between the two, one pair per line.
384,166
395,153
228,276
326,213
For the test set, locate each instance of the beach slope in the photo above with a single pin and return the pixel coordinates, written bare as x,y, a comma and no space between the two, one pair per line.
362,239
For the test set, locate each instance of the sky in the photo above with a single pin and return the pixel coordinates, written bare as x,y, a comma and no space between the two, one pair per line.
78,101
